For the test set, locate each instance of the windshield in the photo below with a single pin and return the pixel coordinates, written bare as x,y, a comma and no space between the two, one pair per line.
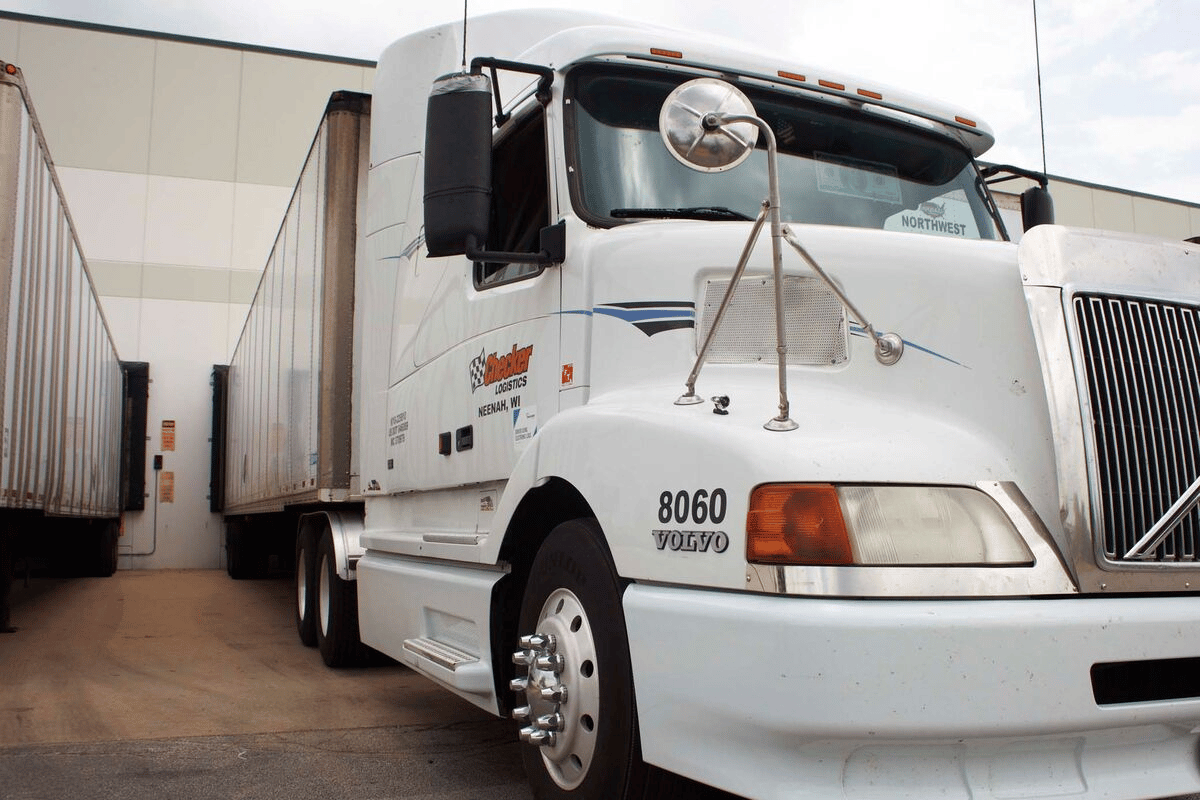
838,165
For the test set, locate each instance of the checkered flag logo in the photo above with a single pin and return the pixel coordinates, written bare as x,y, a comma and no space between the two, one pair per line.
477,370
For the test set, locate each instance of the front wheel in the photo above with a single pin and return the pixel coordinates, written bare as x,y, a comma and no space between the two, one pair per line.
578,709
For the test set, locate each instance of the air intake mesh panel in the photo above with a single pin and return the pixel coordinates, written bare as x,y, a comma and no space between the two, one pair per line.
815,320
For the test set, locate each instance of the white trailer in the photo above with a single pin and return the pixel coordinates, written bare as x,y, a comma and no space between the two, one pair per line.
64,470
934,534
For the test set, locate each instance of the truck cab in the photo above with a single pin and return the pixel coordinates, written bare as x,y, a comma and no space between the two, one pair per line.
787,472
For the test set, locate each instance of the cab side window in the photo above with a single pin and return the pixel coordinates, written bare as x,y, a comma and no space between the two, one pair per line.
520,199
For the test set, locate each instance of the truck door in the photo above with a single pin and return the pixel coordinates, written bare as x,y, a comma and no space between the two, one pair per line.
486,349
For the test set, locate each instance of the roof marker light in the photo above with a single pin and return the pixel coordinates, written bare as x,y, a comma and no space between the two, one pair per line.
870,94
841,87
970,123
10,69
792,76
658,51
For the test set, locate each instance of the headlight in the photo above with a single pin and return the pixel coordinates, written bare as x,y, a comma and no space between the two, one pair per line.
819,524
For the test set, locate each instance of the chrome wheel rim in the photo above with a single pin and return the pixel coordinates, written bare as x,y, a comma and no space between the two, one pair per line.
562,690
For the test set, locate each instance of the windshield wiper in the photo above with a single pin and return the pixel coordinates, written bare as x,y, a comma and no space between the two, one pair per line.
695,212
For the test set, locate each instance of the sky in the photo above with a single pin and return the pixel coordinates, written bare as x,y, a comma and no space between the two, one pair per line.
1120,78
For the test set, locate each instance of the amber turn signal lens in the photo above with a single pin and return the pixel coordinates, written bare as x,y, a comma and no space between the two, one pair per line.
796,524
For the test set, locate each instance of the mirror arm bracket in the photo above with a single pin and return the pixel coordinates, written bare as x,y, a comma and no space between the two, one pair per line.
552,241
542,93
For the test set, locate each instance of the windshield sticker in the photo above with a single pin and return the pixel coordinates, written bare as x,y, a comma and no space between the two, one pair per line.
853,177
948,215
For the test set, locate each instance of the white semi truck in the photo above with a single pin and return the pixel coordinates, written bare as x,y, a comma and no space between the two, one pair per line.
934,533
71,462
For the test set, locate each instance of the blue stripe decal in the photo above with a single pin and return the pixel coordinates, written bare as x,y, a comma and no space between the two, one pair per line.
858,330
639,314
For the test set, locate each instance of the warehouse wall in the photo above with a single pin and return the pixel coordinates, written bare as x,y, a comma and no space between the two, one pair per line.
1086,205
177,159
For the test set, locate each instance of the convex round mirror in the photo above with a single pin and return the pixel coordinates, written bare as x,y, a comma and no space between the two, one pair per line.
692,125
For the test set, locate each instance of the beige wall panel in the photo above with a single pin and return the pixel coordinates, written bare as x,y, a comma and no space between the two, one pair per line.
282,102
368,84
1194,223
9,37
1156,218
1114,212
242,286
194,126
162,282
189,222
116,278
257,214
109,209
92,91
1073,205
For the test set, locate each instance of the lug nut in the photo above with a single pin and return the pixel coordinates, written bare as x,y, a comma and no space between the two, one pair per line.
524,658
554,663
539,641
550,722
537,737
519,684
521,714
554,694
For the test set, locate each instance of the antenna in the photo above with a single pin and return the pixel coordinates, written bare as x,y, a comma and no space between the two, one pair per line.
1037,54
465,35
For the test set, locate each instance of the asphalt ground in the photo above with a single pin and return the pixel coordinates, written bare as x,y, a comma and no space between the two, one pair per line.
186,685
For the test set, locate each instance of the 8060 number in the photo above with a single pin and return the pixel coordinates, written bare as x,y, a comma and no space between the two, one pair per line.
699,506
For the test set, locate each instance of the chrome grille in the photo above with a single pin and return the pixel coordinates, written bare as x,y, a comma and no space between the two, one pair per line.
1142,365
814,317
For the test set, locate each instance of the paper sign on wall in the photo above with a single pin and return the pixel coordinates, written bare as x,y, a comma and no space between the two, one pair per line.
168,435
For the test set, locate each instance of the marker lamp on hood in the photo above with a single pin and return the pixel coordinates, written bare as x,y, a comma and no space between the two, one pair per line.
824,525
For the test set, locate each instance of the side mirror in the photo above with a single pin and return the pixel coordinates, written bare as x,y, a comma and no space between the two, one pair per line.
694,124
458,164
1037,207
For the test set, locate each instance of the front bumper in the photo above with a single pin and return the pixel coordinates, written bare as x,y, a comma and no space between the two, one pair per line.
790,697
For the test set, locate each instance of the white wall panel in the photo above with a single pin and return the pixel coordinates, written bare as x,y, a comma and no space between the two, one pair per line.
93,92
124,315
257,212
282,101
9,36
180,340
193,132
189,222
109,209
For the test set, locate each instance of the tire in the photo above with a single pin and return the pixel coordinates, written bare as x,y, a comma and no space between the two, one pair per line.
336,609
574,594
104,563
245,556
306,586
